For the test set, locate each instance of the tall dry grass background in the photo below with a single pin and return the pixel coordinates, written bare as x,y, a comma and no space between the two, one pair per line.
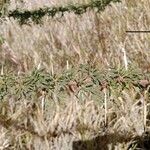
61,43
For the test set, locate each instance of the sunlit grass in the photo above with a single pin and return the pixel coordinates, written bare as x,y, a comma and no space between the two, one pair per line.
76,78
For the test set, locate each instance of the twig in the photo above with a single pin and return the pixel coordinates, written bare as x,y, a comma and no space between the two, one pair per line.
105,103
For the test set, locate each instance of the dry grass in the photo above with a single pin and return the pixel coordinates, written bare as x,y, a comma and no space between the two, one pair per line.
62,43
59,127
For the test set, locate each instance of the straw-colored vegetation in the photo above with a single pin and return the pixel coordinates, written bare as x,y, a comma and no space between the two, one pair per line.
76,82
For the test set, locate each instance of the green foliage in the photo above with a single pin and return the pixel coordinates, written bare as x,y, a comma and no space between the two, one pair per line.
23,16
86,78
4,7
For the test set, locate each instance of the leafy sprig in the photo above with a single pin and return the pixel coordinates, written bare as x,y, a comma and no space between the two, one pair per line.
24,16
